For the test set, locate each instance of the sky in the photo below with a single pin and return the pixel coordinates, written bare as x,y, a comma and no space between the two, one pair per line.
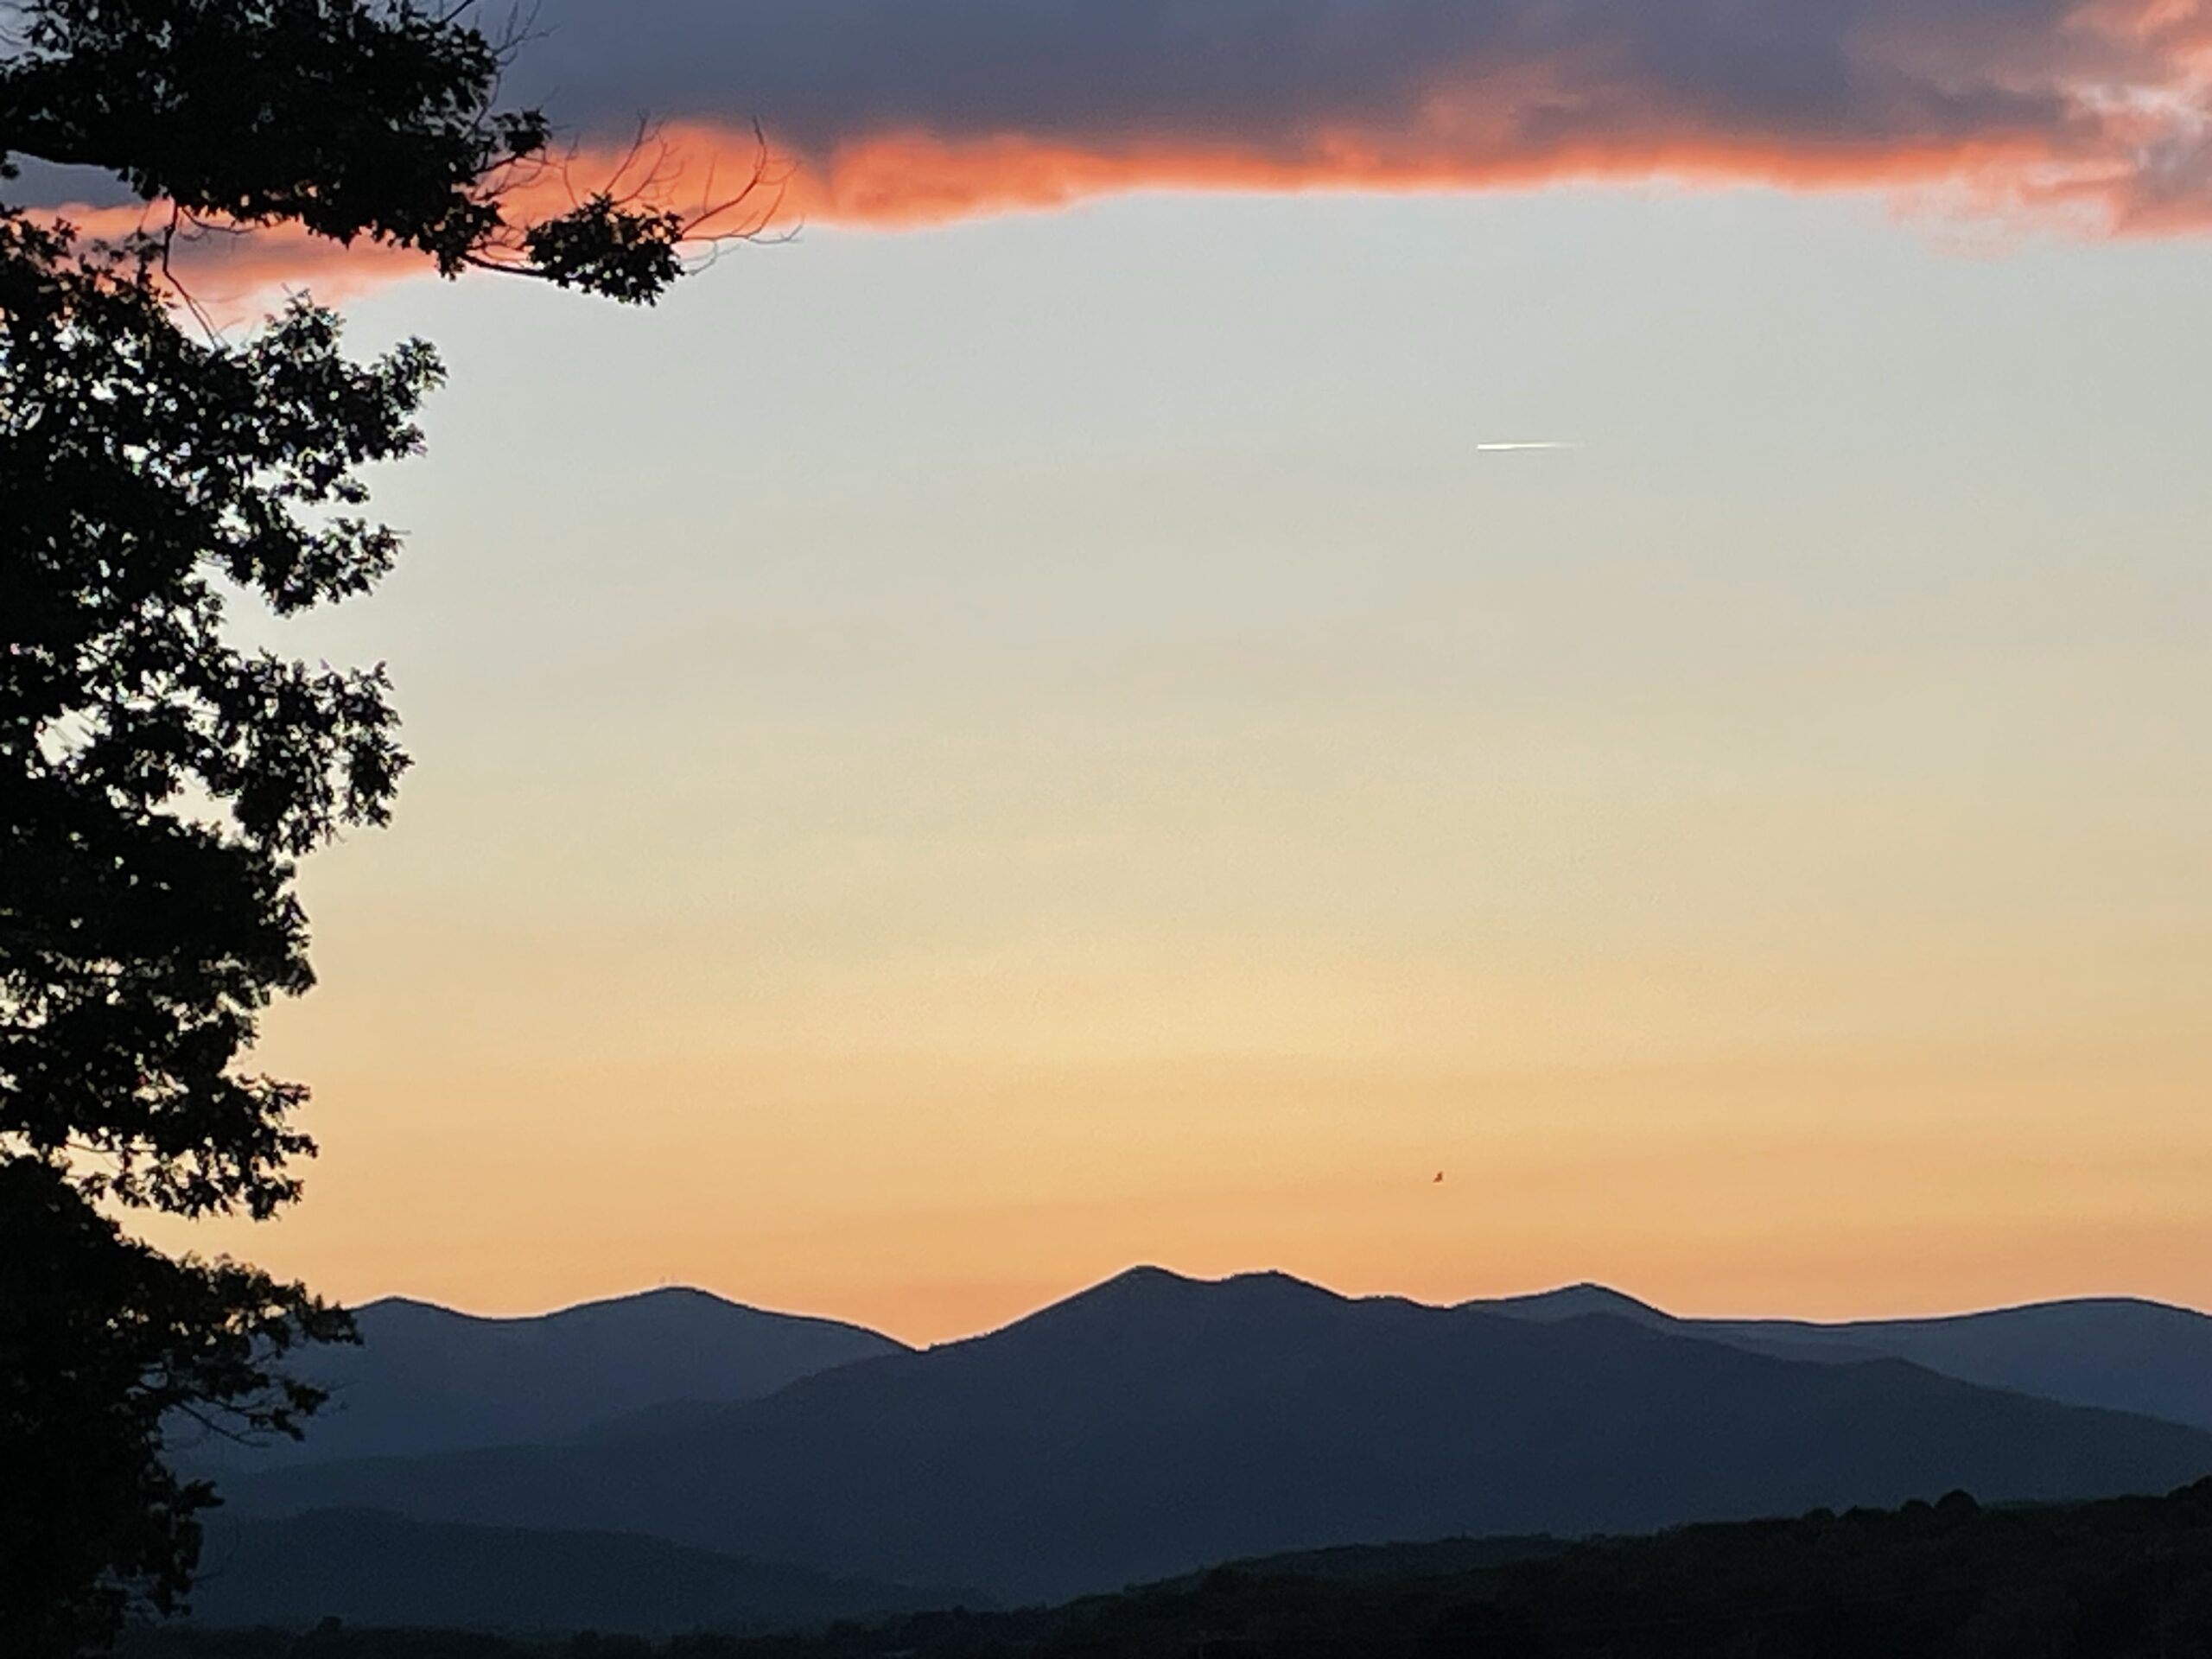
1021,731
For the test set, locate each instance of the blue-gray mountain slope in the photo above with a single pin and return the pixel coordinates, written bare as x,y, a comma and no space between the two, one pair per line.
426,1379
2117,1352
1154,1424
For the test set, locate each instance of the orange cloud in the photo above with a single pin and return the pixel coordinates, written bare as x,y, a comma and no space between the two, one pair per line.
910,179
234,274
2098,112
2092,115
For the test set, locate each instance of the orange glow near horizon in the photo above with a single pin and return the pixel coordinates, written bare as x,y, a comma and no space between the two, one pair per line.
1684,1184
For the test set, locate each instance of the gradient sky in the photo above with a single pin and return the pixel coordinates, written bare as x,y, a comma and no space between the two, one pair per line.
953,760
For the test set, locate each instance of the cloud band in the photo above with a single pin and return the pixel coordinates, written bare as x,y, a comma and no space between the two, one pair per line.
2096,113
902,110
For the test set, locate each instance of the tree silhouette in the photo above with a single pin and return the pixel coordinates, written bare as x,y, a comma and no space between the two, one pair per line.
158,781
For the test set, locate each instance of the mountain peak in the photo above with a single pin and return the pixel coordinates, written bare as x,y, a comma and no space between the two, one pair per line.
1145,1275
1148,1297
427,1378
669,1296
1147,1280
1574,1302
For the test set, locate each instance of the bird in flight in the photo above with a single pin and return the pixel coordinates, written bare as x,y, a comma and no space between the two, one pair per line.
1439,1176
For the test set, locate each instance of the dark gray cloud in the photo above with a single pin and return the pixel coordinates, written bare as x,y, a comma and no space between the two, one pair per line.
903,109
2064,93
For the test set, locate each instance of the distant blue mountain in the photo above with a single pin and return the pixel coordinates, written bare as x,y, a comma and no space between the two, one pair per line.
426,1379
1155,1423
2116,1352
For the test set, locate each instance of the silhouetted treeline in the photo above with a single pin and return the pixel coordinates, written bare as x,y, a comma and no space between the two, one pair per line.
2124,1577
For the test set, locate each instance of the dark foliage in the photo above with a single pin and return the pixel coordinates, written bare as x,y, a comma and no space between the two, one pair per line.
373,119
100,1339
147,473
372,1568
156,780
2126,1579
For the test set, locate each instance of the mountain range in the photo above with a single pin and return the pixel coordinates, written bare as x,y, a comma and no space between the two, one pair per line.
2115,1351
1155,1423
426,1379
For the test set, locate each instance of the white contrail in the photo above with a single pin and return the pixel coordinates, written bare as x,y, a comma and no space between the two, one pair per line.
1504,448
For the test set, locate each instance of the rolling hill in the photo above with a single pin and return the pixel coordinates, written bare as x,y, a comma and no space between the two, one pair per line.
1155,1423
2117,1352
425,1379
2123,1579
368,1568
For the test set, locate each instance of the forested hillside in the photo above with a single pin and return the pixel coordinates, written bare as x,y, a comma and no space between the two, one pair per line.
2125,1579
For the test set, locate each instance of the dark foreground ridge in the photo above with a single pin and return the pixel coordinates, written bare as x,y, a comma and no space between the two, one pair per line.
368,1568
2125,1579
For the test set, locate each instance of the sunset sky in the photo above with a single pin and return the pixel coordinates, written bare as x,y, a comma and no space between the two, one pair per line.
1020,733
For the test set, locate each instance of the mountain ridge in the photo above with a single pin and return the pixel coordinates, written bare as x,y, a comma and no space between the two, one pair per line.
427,1378
1153,1423
2119,1352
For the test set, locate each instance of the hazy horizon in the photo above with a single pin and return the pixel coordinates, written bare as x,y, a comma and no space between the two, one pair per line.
737,1299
